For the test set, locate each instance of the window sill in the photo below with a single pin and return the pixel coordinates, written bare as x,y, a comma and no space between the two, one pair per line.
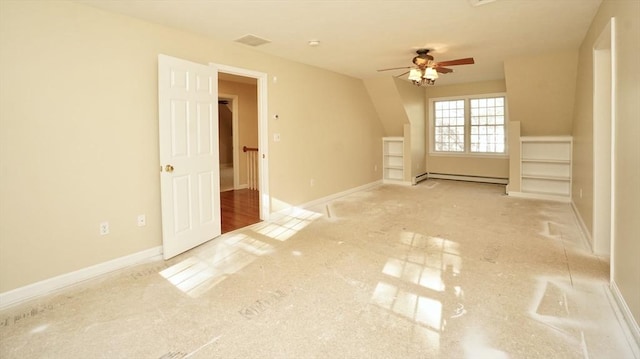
497,156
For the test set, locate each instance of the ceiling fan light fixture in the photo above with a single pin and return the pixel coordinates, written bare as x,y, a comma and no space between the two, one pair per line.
419,77
415,75
431,73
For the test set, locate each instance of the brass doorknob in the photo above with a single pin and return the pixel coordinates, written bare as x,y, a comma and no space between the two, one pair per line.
168,168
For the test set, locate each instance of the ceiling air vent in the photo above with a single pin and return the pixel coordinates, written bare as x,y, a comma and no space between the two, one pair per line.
252,40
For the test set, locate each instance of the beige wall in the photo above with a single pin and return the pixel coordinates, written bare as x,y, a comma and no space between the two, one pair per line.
626,226
469,166
540,90
247,97
513,141
413,101
225,130
388,104
79,133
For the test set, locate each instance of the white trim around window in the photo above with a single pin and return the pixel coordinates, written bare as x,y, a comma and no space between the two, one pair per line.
456,128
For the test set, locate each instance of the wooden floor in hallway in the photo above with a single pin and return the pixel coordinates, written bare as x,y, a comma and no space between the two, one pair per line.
239,208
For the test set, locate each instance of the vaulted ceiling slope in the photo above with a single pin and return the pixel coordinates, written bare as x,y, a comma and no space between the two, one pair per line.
358,37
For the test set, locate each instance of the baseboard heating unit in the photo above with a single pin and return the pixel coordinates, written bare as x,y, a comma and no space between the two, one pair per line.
495,180
419,178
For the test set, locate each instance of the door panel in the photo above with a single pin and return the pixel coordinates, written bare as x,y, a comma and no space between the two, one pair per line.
189,180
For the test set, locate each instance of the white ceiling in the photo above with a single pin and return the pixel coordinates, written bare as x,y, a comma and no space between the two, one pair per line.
357,37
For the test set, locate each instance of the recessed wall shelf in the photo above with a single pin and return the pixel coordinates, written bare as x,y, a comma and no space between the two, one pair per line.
545,167
393,160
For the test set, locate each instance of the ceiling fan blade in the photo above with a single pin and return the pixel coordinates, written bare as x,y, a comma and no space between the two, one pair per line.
465,61
402,74
443,70
396,68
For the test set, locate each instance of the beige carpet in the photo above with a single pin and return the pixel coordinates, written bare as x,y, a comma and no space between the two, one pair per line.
440,270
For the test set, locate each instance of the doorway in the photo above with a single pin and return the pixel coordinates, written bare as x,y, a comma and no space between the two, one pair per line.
604,142
239,117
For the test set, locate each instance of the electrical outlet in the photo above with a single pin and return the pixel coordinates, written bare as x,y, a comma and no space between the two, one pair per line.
142,220
104,228
375,168
312,182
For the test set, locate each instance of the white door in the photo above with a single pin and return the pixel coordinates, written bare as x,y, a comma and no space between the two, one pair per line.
190,172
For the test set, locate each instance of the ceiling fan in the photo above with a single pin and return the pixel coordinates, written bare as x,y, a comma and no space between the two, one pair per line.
425,71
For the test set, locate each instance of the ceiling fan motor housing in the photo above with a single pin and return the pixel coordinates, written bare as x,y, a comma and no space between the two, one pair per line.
423,59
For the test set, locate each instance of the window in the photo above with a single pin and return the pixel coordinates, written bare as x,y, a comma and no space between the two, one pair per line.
471,125
449,127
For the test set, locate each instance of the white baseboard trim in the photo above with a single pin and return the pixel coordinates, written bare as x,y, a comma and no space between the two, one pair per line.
288,210
469,178
50,285
397,182
627,318
335,196
546,197
583,227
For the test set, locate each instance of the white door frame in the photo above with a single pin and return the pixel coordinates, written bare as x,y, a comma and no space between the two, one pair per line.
234,137
263,135
604,124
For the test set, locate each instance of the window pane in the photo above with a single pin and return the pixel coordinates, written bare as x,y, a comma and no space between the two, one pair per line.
449,126
487,128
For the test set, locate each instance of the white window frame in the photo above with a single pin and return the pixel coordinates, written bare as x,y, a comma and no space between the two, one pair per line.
467,126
